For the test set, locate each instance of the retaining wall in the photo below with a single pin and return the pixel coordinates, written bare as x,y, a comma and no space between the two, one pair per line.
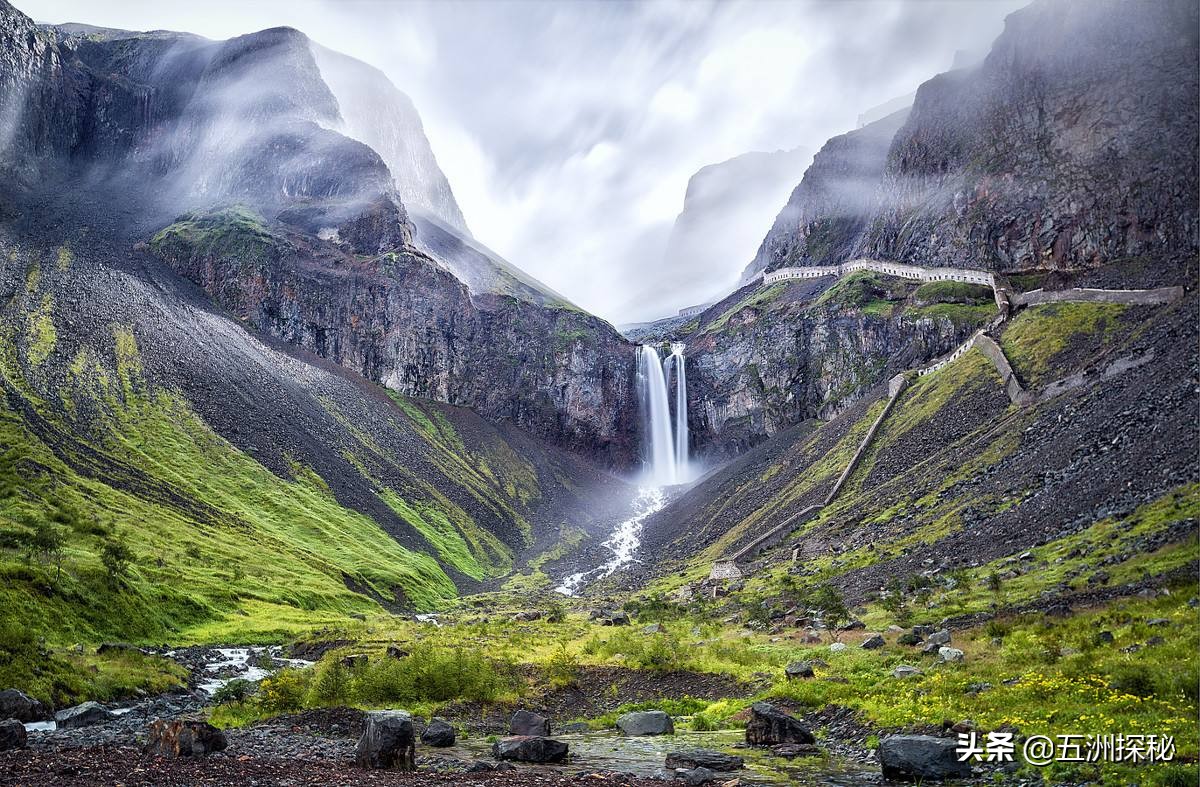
1132,297
1012,386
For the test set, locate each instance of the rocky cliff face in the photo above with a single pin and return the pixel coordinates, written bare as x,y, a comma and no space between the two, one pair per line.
766,359
1071,146
826,213
402,320
322,254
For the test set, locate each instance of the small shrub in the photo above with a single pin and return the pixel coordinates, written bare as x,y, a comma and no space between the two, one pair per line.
236,690
285,690
115,556
562,668
330,684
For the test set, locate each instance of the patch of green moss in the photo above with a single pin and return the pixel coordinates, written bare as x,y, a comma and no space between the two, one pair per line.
235,232
758,299
42,335
1038,334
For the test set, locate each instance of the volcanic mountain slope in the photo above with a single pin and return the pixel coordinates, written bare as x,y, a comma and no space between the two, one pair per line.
1096,477
1071,145
247,478
230,426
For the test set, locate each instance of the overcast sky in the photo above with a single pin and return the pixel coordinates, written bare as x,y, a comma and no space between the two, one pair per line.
569,130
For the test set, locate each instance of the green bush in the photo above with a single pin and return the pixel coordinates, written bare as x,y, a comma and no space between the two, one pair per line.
285,690
431,673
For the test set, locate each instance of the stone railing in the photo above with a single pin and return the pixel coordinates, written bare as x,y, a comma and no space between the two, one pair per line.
1155,297
692,311
900,269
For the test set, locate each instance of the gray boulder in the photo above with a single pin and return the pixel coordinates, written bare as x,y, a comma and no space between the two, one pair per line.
799,669
905,671
695,776
939,637
650,722
15,704
12,735
530,748
873,642
525,722
769,726
84,715
438,734
921,757
184,738
388,742
690,759
950,654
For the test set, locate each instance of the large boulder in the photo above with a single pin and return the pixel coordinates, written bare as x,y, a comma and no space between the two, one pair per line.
650,722
12,735
530,748
388,742
695,776
769,726
525,722
438,734
799,669
872,642
15,704
921,757
84,715
184,738
690,759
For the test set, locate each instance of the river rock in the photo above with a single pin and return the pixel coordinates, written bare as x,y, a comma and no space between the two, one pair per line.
921,757
769,726
12,735
689,759
791,751
799,669
525,722
15,704
388,742
650,722
530,748
184,738
695,776
83,715
439,734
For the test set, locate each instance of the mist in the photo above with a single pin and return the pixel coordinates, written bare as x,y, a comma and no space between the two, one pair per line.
568,131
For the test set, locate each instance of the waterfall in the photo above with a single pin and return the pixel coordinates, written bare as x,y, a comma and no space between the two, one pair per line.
666,448
652,390
681,415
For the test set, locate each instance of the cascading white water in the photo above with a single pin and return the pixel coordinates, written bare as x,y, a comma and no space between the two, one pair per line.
681,414
652,390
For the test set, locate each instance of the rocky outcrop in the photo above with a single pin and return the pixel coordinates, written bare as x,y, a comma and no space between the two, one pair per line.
1072,145
184,738
766,359
401,320
387,743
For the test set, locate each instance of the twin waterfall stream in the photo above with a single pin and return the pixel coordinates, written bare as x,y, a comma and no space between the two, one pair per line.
665,456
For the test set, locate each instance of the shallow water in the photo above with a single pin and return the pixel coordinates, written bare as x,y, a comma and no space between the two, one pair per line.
243,662
645,756
623,542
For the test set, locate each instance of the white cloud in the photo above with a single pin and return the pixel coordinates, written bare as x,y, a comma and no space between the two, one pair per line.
568,131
